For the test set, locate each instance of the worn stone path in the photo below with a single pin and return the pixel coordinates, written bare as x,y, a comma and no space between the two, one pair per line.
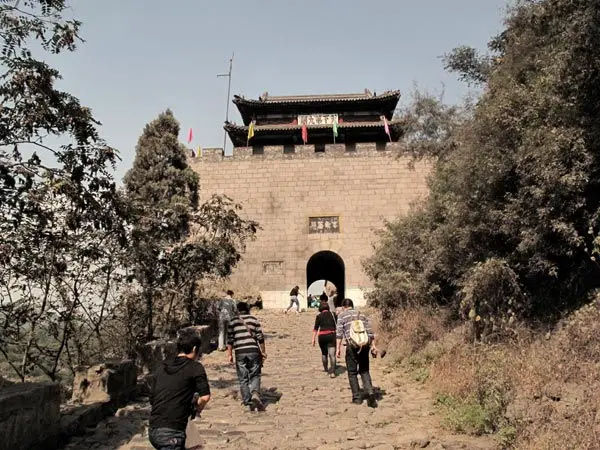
307,409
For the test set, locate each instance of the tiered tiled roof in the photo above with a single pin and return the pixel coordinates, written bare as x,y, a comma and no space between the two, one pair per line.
367,95
291,133
308,104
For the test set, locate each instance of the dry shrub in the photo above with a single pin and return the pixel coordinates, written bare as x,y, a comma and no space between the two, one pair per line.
578,432
538,390
474,387
558,386
491,299
409,330
243,287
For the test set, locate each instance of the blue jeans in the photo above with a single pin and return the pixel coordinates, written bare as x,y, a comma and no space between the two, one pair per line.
248,368
294,302
167,439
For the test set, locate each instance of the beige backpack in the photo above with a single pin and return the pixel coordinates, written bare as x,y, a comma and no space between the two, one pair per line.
358,336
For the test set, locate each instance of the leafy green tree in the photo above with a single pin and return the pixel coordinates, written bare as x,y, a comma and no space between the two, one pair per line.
516,199
162,191
59,209
175,241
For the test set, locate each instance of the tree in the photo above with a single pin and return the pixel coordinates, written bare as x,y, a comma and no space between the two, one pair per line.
59,208
471,66
162,191
33,109
174,240
517,197
430,126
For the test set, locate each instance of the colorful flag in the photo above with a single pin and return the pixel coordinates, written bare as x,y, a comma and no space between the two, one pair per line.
335,130
199,152
386,128
304,134
190,136
250,132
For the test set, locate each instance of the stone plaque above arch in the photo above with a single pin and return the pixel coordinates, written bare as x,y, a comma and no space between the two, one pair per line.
324,224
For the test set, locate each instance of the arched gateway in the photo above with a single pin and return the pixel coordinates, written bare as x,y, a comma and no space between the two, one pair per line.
327,265
320,173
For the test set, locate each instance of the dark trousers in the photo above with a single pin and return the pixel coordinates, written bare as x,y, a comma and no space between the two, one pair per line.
327,345
167,439
248,367
357,363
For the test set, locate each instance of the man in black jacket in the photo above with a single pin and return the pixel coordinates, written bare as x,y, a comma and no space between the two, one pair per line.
173,390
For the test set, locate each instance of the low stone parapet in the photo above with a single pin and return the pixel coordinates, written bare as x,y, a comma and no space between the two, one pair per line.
98,391
29,416
207,333
152,354
110,381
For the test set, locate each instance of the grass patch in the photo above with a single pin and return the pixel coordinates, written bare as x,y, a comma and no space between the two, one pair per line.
465,416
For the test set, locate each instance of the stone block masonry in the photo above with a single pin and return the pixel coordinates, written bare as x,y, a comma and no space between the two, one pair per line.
111,380
361,185
29,416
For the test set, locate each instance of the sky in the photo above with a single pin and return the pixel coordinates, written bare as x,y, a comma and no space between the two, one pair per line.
144,56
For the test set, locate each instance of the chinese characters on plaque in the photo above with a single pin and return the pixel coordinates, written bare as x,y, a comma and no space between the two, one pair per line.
273,267
317,119
327,224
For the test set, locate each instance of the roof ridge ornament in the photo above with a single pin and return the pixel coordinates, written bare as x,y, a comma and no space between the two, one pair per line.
264,97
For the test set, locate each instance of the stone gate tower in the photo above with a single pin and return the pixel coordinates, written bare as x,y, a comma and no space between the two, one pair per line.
320,173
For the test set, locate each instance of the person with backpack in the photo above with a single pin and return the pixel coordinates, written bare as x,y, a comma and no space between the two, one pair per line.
325,330
245,336
353,329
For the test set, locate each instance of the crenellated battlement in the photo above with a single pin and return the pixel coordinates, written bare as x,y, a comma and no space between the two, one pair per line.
274,152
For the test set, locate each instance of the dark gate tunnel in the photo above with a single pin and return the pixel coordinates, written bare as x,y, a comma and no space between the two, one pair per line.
327,265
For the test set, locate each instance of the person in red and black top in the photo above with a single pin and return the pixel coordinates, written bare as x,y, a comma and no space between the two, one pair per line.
325,325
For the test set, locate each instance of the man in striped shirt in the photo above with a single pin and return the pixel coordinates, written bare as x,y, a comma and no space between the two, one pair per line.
245,336
357,360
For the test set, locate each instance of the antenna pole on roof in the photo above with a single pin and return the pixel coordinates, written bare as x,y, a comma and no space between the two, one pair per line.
228,75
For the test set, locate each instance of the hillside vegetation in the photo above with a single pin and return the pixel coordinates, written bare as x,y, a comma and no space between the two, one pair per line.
485,283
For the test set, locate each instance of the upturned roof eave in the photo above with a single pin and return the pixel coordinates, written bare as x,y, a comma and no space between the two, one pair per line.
325,98
247,107
286,127
238,133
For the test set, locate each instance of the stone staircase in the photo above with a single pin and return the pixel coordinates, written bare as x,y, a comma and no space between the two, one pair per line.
306,409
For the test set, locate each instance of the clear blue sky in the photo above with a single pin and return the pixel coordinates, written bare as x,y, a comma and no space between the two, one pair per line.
143,56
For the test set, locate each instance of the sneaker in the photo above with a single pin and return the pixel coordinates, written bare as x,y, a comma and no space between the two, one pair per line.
357,401
372,401
257,402
332,375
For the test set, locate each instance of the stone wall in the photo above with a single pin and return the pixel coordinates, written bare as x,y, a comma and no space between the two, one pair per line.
98,391
29,416
110,381
152,354
363,185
